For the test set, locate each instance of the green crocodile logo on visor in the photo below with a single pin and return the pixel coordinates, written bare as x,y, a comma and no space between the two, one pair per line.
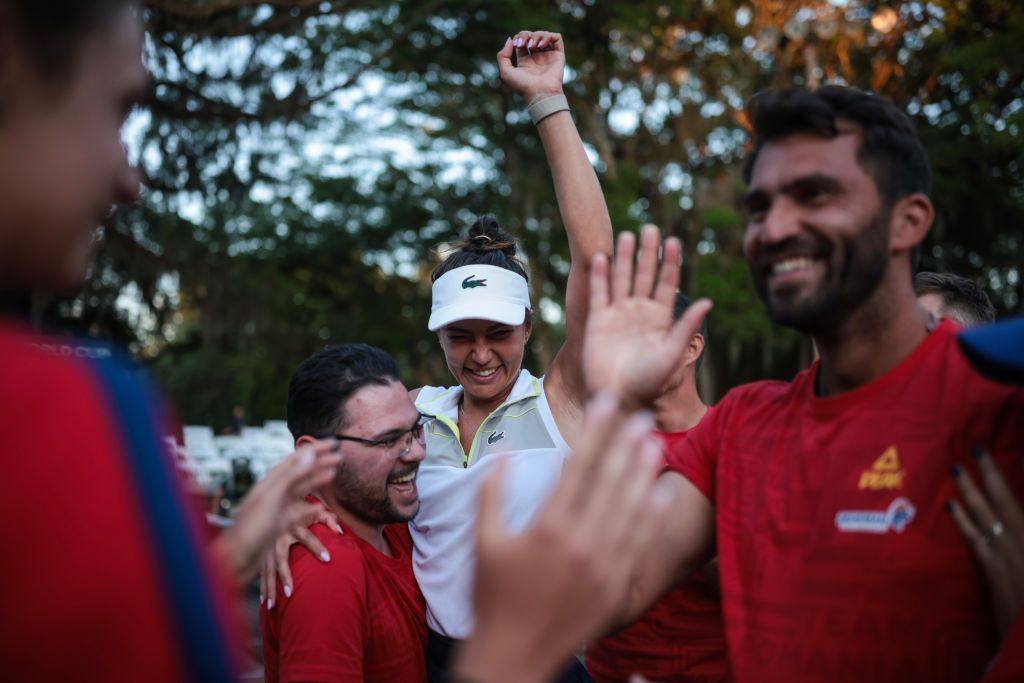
470,283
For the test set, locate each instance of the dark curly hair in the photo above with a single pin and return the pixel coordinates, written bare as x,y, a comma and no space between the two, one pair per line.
890,150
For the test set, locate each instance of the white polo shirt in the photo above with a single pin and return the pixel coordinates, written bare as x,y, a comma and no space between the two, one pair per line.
524,430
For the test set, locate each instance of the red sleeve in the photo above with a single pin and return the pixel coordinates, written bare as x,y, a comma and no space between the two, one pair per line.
323,625
696,456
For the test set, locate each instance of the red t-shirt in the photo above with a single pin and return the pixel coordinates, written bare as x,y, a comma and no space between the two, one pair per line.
679,639
359,617
80,581
838,559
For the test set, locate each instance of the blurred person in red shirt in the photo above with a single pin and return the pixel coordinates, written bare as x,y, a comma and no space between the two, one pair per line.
105,576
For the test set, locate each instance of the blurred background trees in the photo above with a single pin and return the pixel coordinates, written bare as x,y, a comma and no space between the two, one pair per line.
305,160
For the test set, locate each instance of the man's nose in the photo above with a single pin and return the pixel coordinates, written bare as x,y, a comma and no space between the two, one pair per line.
781,222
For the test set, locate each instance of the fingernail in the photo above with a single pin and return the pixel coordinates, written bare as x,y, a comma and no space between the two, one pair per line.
270,603
955,470
529,44
519,42
325,556
979,452
287,591
336,446
261,598
306,458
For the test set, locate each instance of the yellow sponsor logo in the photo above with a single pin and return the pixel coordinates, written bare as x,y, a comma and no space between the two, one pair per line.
885,473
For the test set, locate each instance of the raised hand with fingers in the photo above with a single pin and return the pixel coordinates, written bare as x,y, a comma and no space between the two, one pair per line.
273,505
631,345
538,594
993,524
532,63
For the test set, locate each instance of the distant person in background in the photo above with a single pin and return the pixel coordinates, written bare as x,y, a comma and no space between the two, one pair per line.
105,575
237,425
946,295
681,638
361,616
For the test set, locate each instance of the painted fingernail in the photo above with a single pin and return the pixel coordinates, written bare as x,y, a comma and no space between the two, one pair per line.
978,452
325,556
529,44
270,603
261,598
287,591
519,42
955,470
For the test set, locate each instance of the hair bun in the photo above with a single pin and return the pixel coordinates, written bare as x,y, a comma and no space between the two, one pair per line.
486,235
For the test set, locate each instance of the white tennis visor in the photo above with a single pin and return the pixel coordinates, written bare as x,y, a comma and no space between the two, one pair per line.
479,293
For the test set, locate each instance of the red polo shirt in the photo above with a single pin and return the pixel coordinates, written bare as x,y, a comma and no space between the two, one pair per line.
360,617
838,559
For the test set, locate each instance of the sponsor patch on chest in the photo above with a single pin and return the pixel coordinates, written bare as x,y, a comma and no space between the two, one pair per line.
896,517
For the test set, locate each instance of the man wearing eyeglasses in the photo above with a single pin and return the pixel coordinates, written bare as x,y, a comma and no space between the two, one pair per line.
360,616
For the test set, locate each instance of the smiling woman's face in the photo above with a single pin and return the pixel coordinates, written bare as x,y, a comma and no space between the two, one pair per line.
484,356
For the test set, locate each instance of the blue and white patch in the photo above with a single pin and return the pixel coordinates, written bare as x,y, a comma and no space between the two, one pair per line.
896,517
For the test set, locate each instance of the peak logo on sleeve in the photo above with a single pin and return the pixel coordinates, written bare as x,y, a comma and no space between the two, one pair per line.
886,474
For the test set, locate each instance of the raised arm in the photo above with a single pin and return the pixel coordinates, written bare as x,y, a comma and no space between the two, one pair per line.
541,63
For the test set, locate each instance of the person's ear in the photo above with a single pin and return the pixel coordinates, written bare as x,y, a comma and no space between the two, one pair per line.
305,440
910,221
529,327
694,349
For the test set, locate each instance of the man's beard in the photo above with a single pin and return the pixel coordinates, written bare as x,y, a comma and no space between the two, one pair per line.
844,287
367,500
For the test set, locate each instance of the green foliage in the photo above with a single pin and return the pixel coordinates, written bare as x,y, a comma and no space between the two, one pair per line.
304,160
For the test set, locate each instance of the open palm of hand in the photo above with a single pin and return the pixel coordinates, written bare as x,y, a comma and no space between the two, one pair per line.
628,349
631,346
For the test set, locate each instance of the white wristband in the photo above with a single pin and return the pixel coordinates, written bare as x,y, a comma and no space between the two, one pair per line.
542,107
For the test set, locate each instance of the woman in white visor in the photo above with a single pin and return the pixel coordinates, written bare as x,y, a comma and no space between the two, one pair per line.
482,314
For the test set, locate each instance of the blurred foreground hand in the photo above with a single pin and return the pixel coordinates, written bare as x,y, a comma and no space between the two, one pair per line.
540,593
274,505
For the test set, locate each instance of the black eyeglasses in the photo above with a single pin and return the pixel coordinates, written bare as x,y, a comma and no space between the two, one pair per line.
390,441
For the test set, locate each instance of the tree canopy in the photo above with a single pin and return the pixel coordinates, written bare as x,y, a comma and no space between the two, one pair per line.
305,160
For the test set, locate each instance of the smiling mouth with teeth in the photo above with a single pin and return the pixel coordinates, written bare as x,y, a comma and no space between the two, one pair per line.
791,264
404,479
484,373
